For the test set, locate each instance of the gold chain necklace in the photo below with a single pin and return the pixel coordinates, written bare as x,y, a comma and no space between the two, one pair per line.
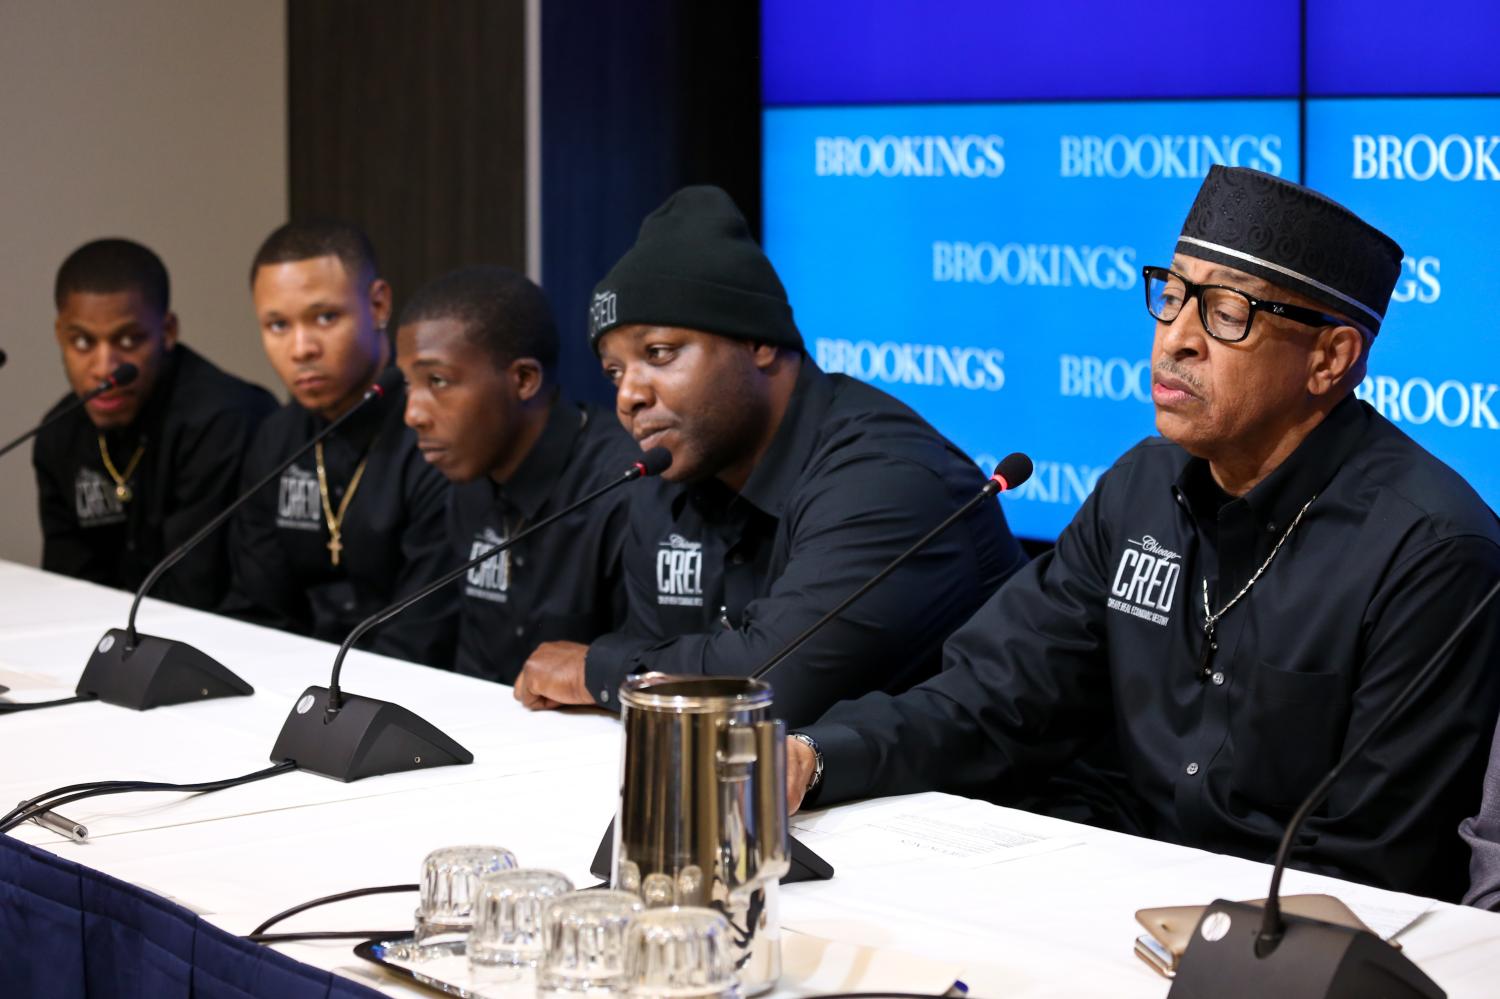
122,491
1211,620
336,520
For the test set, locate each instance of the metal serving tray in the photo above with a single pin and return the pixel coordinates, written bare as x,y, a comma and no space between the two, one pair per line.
444,968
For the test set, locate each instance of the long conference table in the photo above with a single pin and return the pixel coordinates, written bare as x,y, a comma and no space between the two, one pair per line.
929,888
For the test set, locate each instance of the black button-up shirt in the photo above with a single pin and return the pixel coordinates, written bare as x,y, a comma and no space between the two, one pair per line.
719,581
1105,635
393,534
562,583
195,428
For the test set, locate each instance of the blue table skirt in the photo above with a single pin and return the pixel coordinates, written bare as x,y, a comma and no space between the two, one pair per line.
67,932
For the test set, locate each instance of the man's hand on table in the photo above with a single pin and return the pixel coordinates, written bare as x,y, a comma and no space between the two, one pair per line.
553,676
800,763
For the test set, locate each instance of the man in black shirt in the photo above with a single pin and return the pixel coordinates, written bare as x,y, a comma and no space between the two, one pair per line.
1238,600
358,523
788,489
478,348
137,470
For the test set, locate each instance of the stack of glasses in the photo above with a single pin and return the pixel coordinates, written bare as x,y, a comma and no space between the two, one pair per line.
527,932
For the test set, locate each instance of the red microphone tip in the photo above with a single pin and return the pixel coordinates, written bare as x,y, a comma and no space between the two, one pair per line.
1013,470
388,381
655,461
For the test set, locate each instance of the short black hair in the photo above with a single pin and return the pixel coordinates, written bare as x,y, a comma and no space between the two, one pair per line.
502,311
111,265
297,241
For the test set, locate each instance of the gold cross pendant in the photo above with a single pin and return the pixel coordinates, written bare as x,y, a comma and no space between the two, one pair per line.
334,547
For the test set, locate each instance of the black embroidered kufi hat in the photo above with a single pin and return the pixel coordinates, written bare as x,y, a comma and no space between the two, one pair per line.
1295,238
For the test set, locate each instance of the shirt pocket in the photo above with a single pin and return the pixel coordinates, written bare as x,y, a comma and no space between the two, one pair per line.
1287,734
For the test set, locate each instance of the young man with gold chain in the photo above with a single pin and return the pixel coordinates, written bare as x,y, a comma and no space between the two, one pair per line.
138,469
359,522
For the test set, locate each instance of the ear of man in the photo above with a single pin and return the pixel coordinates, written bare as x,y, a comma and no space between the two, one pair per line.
526,372
764,354
380,302
1337,361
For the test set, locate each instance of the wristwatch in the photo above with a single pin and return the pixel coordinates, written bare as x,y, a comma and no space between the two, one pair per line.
817,774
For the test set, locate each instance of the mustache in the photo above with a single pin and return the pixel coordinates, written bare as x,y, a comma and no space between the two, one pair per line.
1167,366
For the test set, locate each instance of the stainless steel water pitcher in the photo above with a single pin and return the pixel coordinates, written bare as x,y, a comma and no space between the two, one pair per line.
702,814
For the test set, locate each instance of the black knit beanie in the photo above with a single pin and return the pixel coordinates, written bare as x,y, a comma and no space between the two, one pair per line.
695,266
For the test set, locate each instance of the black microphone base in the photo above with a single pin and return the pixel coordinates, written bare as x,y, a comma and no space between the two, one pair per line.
365,738
155,672
806,865
1315,960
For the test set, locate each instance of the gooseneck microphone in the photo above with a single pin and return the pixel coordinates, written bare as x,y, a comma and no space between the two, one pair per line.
388,381
1014,469
143,671
1295,956
119,378
349,737
653,462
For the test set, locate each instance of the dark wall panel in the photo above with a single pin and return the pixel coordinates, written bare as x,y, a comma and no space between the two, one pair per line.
408,118
638,99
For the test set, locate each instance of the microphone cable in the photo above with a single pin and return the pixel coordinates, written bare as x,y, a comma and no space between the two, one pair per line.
268,938
259,934
11,707
955,991
58,797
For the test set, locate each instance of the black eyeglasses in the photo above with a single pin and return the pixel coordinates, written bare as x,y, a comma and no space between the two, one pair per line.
1226,312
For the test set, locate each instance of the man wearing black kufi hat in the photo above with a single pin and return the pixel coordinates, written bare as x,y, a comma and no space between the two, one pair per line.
1238,599
788,488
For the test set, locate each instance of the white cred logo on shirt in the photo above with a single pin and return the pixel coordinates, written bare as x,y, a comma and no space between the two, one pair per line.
298,504
490,579
1145,580
679,572
94,500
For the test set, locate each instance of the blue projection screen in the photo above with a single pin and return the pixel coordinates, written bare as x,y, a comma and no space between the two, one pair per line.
979,255
887,51
982,262
1427,171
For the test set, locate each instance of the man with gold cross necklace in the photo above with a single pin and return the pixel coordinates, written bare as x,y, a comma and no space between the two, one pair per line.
359,522
140,468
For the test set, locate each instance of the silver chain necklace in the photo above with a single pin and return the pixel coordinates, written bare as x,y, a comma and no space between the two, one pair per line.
1211,620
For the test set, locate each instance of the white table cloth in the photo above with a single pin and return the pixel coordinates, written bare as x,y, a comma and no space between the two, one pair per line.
1055,920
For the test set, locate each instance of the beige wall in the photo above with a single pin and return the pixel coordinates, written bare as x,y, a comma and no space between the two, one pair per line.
161,120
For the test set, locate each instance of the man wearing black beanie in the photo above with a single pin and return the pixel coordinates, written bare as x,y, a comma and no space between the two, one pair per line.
788,488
